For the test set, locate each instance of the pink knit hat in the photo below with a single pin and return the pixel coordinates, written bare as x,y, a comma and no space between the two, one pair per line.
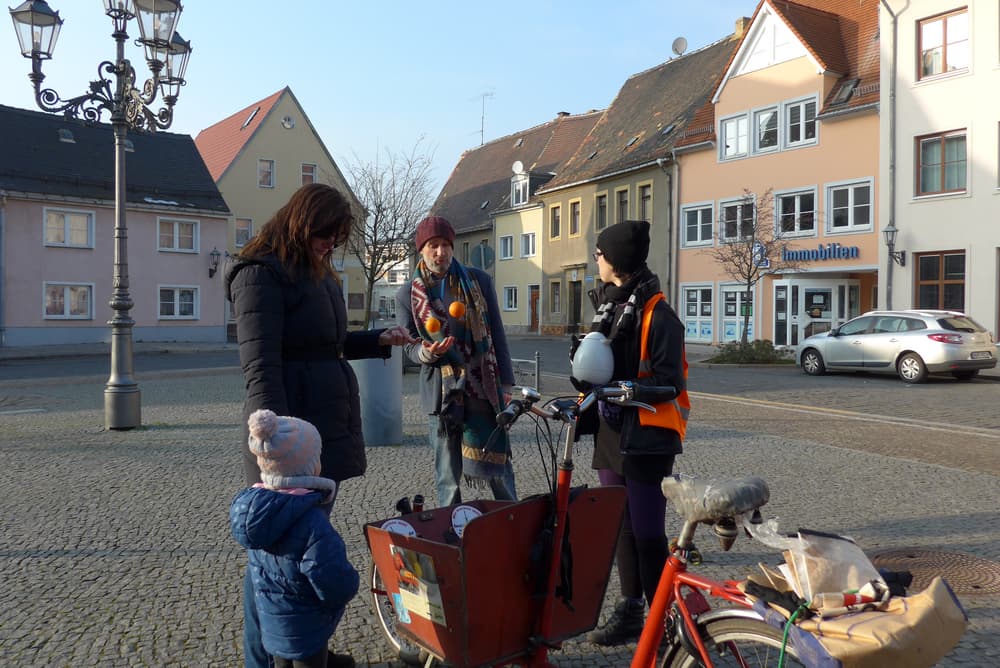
434,226
287,449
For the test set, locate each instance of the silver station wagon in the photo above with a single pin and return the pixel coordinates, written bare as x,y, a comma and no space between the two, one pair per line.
911,343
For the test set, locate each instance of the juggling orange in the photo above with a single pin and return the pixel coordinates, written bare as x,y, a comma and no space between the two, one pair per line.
457,309
433,325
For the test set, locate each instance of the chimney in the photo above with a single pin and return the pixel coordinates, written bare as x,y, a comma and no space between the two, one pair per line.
742,24
562,113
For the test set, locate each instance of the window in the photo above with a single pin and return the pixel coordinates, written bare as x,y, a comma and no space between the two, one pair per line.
622,201
265,173
555,303
646,203
601,212
528,244
519,189
554,223
800,122
510,298
244,231
734,137
765,123
178,303
308,173
506,247
849,207
941,164
69,228
737,220
697,225
797,213
574,219
941,281
698,313
944,44
465,252
178,235
68,301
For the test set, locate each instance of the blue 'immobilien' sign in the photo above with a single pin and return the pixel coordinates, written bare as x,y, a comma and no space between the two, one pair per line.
832,251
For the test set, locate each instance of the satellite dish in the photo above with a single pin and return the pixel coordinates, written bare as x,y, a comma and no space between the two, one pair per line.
517,167
679,46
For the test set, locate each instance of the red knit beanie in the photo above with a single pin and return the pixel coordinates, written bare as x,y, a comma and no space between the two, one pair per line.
434,226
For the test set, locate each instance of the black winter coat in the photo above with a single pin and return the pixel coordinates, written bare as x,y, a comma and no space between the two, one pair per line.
294,347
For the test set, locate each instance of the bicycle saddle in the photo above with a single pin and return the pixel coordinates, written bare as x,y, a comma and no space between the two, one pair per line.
710,500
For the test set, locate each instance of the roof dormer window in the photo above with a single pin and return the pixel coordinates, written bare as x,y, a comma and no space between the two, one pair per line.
519,189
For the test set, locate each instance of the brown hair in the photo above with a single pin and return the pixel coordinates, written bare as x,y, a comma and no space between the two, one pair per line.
315,210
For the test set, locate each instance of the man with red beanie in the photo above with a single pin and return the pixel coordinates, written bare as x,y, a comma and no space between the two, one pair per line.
465,369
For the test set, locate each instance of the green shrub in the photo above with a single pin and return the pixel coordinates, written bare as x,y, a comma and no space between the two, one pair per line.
752,352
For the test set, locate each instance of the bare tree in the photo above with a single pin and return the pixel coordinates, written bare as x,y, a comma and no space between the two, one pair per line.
752,241
395,191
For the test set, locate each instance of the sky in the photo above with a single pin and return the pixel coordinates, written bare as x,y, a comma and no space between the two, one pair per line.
377,75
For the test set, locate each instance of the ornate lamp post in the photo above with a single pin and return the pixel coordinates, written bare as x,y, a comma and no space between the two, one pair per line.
114,91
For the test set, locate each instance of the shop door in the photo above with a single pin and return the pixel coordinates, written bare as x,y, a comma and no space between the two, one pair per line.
735,304
818,306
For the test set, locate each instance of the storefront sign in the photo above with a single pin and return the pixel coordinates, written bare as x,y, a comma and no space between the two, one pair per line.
828,252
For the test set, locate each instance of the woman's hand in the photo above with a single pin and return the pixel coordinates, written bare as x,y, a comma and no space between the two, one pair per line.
395,336
438,348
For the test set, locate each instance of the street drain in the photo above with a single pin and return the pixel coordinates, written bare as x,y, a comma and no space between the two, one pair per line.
965,573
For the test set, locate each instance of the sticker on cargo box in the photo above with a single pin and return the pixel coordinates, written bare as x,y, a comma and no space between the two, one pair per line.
396,525
402,614
416,577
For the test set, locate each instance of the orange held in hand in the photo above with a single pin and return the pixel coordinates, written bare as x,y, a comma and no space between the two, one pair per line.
433,325
457,309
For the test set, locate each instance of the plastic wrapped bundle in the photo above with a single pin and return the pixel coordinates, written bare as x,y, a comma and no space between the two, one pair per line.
710,500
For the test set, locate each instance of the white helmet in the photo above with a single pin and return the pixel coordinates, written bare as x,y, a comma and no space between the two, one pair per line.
593,361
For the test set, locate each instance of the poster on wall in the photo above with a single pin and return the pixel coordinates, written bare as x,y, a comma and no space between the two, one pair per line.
706,331
729,331
690,329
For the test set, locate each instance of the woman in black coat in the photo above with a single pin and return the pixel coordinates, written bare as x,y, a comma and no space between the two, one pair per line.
291,324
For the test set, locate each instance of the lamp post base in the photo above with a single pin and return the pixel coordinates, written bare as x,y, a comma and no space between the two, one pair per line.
122,407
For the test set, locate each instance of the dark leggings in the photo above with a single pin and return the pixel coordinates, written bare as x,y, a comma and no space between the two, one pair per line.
642,547
314,661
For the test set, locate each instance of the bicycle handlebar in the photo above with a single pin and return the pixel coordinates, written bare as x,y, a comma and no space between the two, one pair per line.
622,393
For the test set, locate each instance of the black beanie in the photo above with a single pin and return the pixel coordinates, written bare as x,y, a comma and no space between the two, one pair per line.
625,245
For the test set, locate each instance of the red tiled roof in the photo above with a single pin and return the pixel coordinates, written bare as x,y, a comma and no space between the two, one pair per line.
219,144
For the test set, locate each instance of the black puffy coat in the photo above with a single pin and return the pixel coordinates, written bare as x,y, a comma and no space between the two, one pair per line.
294,347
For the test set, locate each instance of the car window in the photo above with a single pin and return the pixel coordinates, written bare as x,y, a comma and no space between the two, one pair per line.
886,324
856,326
960,324
912,325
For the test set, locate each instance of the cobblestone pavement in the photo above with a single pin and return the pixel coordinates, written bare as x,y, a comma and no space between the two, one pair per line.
115,548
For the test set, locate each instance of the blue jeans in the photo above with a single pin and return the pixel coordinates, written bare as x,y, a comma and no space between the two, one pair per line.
448,470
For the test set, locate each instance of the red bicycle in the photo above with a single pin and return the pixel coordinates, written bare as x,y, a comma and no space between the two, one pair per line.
492,583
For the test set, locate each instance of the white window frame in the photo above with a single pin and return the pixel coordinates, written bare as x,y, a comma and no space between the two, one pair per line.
195,235
725,126
67,286
786,126
851,227
507,247
311,174
796,193
269,164
528,244
90,217
738,202
701,208
519,189
510,298
236,232
755,125
699,325
176,302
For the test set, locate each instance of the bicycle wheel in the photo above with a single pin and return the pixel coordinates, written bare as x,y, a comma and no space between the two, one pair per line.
407,652
736,642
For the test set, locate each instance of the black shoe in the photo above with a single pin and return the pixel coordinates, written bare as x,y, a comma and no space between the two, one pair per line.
624,625
338,660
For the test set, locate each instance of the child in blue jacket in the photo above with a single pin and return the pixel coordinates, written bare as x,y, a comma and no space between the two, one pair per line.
302,580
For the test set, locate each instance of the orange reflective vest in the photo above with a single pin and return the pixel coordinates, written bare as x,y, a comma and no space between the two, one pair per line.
669,414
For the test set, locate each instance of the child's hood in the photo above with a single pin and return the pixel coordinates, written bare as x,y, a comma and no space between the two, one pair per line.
259,517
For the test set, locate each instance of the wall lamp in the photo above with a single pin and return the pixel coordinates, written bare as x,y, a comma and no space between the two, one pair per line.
213,262
899,257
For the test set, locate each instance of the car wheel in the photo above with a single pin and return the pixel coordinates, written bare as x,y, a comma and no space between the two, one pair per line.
812,362
965,375
911,368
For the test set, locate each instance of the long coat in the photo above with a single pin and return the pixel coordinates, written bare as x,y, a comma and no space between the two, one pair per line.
294,347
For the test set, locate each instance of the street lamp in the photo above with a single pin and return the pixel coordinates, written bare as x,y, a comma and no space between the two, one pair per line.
37,28
899,257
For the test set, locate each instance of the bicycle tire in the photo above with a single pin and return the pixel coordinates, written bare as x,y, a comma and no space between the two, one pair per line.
408,653
757,643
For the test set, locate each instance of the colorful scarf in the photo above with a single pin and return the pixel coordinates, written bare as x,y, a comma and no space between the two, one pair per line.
472,354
